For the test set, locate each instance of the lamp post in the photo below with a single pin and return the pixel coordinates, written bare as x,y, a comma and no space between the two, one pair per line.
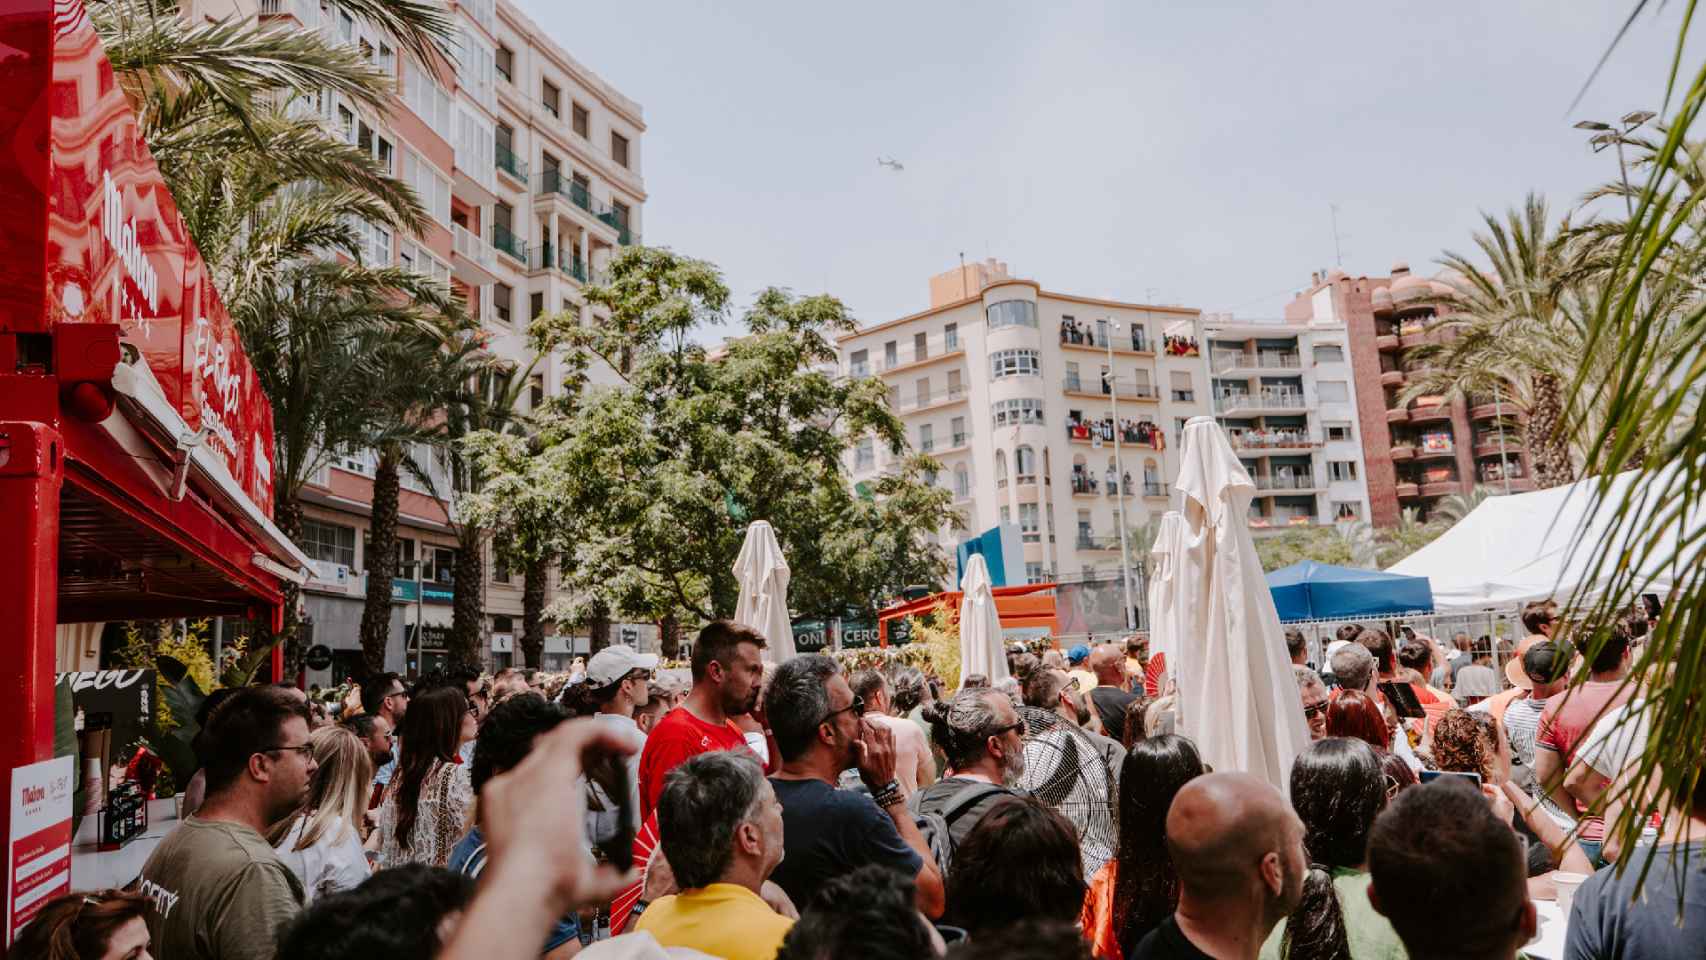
1119,471
1607,135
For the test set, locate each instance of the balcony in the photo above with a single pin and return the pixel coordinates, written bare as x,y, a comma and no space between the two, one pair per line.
1083,485
1413,335
1086,338
1402,452
475,262
1489,445
1153,489
1386,343
553,184
1138,432
1255,401
545,258
1282,481
1436,448
1121,387
1271,440
1398,416
1441,488
935,398
505,241
934,351
1089,541
511,165
1492,411
1225,361
1392,378
1425,412
1407,491
1281,520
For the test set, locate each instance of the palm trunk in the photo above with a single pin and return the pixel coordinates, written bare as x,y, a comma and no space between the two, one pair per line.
381,559
1547,443
468,612
287,514
669,636
533,611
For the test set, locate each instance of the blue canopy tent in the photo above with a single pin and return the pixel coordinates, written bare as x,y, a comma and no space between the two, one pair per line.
1317,591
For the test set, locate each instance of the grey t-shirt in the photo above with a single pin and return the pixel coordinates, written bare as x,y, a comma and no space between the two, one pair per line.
218,892
1605,923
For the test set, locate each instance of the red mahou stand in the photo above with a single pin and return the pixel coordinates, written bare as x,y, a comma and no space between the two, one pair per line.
135,440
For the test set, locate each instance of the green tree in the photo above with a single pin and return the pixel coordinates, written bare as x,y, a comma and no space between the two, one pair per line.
1321,544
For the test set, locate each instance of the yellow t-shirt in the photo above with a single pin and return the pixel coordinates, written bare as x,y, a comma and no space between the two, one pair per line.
723,919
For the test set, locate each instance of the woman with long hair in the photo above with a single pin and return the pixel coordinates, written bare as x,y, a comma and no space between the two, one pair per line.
428,800
1139,888
1355,714
321,841
91,925
1337,789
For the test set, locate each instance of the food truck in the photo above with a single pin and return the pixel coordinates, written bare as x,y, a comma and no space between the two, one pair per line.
136,444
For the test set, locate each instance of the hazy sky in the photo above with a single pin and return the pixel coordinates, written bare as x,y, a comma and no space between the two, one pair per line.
1182,152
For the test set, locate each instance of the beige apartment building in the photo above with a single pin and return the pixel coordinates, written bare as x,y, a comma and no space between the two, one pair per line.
529,166
1057,414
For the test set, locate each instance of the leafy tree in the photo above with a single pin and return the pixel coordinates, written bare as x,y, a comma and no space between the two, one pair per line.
650,484
1321,544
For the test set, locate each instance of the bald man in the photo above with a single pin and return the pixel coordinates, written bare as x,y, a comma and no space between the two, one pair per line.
1238,848
1113,688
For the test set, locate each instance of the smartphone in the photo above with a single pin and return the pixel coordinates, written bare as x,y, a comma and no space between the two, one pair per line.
1403,698
1429,776
619,850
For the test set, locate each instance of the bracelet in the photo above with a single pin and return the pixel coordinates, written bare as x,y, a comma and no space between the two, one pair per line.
888,795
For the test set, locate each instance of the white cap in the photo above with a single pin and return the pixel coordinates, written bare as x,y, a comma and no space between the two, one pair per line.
615,662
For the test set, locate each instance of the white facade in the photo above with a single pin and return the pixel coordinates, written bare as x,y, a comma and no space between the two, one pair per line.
1287,399
992,385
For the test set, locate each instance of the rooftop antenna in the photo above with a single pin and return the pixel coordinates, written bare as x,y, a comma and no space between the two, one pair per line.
1338,255
963,293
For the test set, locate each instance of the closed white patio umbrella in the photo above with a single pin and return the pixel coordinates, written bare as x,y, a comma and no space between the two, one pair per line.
1239,701
1163,591
763,604
980,626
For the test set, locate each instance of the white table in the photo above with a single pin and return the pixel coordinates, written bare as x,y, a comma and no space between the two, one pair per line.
1548,944
93,869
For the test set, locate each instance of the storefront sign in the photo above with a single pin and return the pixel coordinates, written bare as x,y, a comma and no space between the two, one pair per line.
433,636
38,864
433,592
319,657
811,636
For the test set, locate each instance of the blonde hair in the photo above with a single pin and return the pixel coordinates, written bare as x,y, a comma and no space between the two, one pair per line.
340,790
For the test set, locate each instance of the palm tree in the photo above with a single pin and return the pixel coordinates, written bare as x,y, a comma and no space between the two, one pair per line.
1451,510
1405,537
1501,325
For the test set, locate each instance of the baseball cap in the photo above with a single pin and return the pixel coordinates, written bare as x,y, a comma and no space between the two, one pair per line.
1513,667
1077,654
615,662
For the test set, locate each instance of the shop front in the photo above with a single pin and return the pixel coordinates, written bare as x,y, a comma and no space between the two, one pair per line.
135,440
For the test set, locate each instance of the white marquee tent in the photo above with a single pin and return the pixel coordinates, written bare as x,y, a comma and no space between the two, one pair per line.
1522,547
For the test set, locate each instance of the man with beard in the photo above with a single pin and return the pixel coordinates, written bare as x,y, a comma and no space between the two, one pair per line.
727,675
820,731
1238,847
218,890
374,731
980,733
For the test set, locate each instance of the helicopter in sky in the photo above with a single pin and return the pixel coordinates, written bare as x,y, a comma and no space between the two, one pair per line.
891,163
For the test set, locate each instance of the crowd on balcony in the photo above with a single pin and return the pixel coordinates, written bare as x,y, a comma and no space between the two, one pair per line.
1258,438
1078,332
1141,432
1181,346
1084,481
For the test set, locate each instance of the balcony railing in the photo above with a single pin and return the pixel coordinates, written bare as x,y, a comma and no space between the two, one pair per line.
1140,432
1270,439
1264,398
547,258
552,181
859,370
1262,359
505,240
1086,336
1090,541
1282,519
1184,396
927,445
1152,488
916,400
511,164
470,245
1281,481
959,441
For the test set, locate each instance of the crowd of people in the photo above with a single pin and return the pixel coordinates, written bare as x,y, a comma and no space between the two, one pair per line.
1141,432
791,811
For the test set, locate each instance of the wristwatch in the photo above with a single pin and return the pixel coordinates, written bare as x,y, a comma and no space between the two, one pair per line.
888,795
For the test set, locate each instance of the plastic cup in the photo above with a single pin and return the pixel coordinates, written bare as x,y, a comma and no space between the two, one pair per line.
1567,884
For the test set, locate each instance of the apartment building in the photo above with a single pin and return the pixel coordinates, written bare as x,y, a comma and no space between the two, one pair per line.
1056,413
1415,452
529,166
1286,396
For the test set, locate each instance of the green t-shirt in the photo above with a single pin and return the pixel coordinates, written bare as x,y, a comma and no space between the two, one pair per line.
219,892
1368,934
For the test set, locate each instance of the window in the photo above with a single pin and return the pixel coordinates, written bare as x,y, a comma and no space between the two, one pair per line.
1006,511
502,300
894,397
1341,470
536,391
951,337
1012,313
962,481
413,256
922,391
1033,571
403,567
1329,353
428,100
438,564
1029,519
535,305
580,120
1009,363
926,437
619,148
1338,431
619,212
1184,391
376,246
859,363
955,388
1347,510
1001,470
1011,413
1074,381
506,63
920,346
958,428
500,574
432,187
864,455
551,98
331,542
891,355
1025,464
1333,391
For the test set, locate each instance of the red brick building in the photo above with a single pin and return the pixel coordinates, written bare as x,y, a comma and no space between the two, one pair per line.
1418,452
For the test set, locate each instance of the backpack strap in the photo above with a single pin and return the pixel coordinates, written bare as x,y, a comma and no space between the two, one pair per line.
968,797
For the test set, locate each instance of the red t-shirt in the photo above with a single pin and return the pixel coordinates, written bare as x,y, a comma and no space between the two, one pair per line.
674,738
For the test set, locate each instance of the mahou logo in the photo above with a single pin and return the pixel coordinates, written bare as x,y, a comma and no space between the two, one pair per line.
121,239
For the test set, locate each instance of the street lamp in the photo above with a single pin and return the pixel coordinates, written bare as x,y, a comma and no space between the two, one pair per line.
1607,135
1113,326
